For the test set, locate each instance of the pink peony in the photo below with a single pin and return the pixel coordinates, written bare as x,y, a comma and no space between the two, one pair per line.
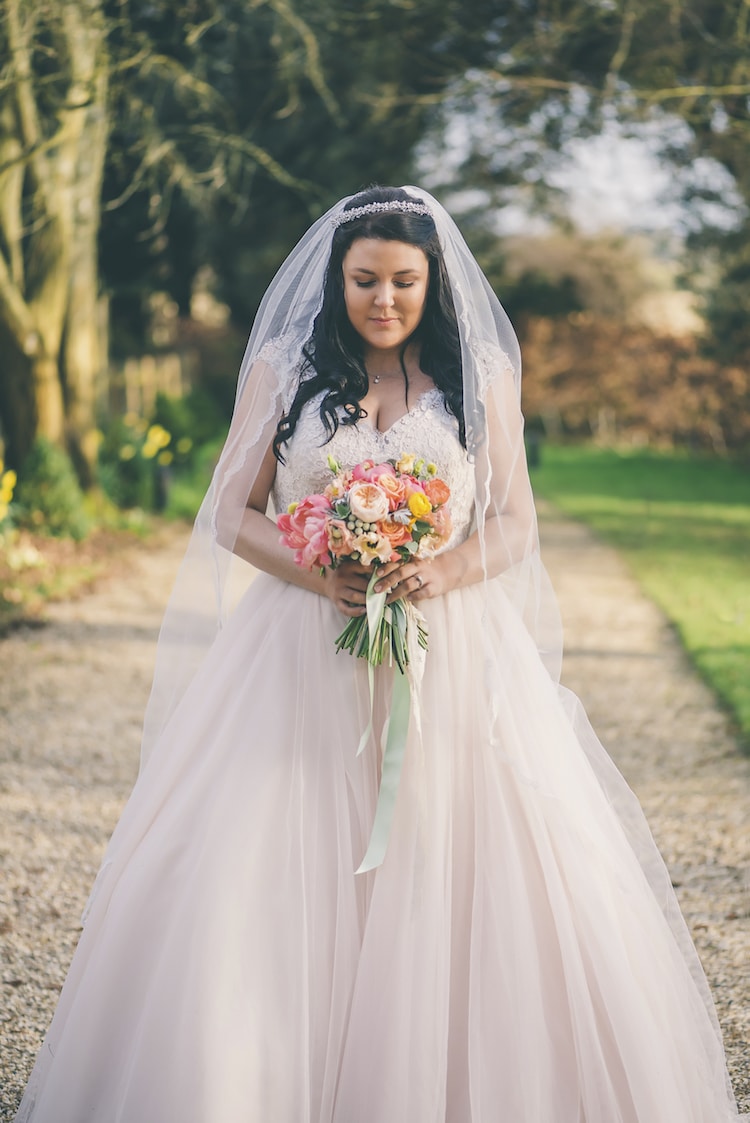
360,471
305,530
372,473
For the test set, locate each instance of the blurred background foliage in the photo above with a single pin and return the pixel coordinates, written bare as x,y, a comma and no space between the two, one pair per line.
173,150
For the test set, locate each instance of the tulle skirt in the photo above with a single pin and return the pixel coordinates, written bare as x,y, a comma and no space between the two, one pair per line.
518,957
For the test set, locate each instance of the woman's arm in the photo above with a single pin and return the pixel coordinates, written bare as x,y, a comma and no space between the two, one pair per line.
257,541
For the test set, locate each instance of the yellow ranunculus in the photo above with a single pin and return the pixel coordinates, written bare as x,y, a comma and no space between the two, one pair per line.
406,464
418,504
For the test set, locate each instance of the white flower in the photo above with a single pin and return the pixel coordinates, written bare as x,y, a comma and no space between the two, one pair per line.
368,502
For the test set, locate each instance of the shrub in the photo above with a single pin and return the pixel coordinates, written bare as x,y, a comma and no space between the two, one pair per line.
140,458
130,455
193,421
48,498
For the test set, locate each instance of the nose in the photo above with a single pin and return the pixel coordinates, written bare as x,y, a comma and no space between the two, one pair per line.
384,295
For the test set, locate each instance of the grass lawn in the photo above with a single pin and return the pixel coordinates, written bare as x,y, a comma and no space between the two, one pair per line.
683,525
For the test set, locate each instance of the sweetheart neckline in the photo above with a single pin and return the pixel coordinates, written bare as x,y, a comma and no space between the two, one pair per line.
409,413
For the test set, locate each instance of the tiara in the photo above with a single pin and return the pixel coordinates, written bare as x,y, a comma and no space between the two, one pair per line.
402,206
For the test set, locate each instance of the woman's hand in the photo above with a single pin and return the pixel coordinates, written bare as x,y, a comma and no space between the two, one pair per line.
415,580
346,586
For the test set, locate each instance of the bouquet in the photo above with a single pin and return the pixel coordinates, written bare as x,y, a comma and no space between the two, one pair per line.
373,513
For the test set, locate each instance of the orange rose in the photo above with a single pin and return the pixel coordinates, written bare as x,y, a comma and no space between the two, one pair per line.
437,491
394,488
397,534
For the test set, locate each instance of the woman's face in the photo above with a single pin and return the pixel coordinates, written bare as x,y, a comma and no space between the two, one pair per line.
385,290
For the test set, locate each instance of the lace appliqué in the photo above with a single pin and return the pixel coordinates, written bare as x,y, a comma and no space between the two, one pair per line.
428,430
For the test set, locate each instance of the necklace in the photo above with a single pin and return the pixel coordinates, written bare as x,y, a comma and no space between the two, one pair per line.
377,377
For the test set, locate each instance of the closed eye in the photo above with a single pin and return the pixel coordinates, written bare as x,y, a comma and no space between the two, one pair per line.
397,284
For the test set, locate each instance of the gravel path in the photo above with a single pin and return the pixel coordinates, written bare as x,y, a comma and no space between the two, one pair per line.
71,701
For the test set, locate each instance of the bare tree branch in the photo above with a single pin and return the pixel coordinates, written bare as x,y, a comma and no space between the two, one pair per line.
314,68
16,312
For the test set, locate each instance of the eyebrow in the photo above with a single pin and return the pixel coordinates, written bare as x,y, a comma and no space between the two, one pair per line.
371,273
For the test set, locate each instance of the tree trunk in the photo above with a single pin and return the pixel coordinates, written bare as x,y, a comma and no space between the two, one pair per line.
17,406
48,270
83,357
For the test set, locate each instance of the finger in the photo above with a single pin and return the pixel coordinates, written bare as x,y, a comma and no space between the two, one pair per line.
351,608
389,579
410,585
387,568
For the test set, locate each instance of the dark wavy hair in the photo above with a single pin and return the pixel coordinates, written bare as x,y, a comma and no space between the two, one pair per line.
334,355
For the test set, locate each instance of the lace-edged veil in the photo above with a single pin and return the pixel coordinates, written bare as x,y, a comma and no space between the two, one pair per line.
210,577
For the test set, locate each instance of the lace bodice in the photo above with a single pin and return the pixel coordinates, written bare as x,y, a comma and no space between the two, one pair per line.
428,430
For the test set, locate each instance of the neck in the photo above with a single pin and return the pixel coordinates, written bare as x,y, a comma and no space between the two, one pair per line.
381,363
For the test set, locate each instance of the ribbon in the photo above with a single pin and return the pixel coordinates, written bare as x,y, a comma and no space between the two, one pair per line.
404,701
375,606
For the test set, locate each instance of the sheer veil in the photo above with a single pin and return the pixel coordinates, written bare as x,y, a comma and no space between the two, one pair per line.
505,518
505,521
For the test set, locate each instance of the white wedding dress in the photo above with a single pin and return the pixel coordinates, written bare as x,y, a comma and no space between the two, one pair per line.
508,963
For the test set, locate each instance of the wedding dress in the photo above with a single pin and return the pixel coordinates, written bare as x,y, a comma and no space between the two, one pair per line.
509,961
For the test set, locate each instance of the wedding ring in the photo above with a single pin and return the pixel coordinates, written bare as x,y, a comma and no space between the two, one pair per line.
418,577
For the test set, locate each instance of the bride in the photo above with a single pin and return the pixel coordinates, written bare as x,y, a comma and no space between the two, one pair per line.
516,952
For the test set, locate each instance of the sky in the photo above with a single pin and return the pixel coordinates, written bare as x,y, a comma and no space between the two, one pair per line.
611,181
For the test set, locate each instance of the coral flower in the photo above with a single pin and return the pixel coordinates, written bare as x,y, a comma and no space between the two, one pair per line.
437,491
397,533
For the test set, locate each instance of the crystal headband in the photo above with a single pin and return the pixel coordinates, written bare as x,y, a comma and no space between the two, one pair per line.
396,206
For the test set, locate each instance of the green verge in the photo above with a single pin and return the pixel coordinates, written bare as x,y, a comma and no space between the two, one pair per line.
683,525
